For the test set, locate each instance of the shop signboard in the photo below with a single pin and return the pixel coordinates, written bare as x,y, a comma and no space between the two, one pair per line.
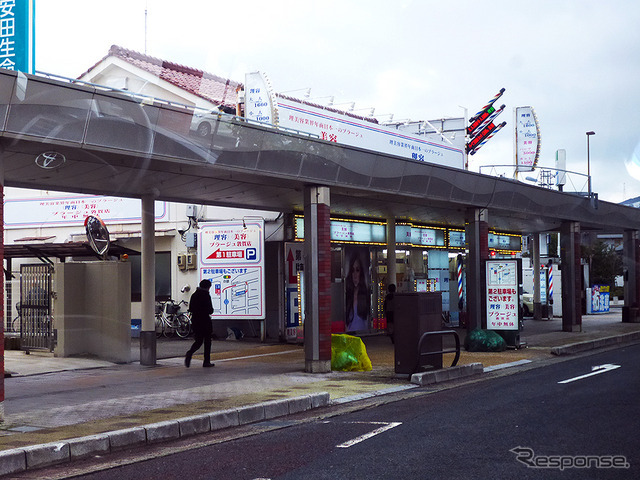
72,210
231,256
17,35
294,274
334,126
502,294
527,145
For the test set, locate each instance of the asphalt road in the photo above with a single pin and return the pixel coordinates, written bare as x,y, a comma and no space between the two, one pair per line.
525,425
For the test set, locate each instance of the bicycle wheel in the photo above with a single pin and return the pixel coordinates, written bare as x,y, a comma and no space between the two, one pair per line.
169,325
184,325
159,325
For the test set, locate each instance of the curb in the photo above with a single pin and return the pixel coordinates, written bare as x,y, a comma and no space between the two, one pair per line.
593,344
446,374
38,456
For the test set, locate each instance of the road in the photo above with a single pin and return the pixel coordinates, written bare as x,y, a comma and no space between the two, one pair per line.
563,420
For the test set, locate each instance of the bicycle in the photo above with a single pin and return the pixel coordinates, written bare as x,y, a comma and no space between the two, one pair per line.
17,321
170,321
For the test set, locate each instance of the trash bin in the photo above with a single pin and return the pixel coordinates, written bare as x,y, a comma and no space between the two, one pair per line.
416,313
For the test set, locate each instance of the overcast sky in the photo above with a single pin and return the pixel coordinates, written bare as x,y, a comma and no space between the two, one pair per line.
577,62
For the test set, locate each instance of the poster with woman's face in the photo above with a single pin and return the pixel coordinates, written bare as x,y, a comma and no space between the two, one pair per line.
357,292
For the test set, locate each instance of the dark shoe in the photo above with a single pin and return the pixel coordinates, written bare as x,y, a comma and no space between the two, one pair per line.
206,365
187,361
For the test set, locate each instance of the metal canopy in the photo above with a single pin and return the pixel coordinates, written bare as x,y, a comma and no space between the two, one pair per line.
100,142
61,250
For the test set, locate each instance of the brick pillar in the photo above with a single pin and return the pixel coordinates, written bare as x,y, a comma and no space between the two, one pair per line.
317,272
477,239
571,277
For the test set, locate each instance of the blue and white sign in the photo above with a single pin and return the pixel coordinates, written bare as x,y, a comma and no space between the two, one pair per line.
17,35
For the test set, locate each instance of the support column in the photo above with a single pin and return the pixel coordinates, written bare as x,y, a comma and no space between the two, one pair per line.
631,264
535,256
2,292
317,249
148,269
477,239
391,251
571,277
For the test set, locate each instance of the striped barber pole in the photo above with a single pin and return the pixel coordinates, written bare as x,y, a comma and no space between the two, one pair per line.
459,267
550,283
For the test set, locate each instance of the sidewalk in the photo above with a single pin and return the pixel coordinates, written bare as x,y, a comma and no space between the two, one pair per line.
50,399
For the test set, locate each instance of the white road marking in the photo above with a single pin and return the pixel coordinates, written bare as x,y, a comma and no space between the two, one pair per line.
594,371
385,426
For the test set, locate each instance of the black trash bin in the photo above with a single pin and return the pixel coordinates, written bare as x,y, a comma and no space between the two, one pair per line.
416,313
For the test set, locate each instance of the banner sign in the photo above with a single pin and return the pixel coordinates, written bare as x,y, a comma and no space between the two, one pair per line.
63,211
527,139
259,100
231,256
502,294
333,126
17,35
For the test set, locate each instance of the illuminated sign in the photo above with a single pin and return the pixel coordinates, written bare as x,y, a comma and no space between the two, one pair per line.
502,294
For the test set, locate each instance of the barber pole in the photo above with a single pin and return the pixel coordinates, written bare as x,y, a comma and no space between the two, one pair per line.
459,269
550,299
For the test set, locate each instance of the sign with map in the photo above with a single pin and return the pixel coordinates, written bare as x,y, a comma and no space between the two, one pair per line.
231,256
502,294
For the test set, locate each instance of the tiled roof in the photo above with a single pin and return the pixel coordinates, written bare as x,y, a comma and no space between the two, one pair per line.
205,85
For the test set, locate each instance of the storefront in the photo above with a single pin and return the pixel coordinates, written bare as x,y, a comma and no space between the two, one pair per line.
428,258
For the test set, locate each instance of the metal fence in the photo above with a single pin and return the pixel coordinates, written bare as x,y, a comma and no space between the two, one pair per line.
36,321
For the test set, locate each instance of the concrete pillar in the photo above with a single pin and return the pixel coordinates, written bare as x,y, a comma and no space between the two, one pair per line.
571,277
477,237
391,250
631,263
317,273
2,289
535,257
148,269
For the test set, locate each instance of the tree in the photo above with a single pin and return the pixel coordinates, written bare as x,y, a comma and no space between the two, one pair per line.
604,263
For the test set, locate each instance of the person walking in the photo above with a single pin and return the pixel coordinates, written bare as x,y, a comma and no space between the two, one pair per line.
201,308
389,309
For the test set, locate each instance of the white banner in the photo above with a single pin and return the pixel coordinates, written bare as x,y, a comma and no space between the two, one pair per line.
62,211
339,128
527,139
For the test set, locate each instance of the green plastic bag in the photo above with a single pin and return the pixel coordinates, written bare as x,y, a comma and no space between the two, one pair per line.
484,341
349,354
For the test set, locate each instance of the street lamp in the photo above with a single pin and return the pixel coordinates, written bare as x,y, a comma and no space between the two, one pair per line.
589,163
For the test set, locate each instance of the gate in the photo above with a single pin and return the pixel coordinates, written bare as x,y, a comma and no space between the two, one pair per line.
36,322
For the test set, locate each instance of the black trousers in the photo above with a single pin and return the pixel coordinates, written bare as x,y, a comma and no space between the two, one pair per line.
202,333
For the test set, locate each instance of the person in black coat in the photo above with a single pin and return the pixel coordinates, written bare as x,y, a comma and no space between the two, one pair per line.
201,309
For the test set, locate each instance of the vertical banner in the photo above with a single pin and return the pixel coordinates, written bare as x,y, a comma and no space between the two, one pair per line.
260,104
231,256
17,35
527,144
502,294
357,291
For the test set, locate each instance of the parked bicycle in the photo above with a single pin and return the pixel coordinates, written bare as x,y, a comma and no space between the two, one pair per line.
170,320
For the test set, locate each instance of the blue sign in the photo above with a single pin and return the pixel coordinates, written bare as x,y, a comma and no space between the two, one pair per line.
252,253
17,35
